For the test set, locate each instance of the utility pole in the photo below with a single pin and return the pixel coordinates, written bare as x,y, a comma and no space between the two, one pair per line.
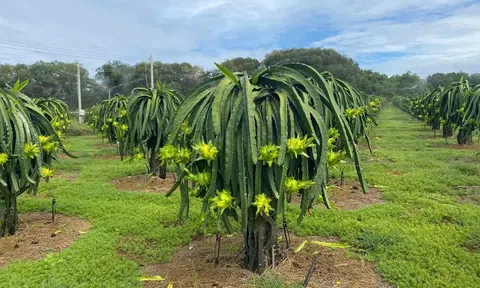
79,93
151,72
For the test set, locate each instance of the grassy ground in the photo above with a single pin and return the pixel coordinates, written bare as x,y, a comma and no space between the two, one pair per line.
418,237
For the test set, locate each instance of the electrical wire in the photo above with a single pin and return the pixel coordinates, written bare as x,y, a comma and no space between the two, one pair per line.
53,48
81,56
88,80
45,49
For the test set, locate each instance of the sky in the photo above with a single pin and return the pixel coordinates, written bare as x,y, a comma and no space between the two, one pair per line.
390,36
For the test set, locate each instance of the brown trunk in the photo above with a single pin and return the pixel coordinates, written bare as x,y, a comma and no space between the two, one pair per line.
162,171
447,131
464,137
155,168
8,215
260,239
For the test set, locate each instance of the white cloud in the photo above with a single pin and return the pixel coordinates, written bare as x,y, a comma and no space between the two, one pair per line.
204,31
428,45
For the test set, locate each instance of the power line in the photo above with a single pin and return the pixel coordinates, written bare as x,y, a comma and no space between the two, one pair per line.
44,49
105,87
88,80
146,66
31,45
40,51
113,69
68,51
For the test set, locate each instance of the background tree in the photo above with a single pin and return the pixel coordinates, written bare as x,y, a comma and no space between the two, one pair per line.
408,84
53,80
321,59
445,79
58,79
181,77
115,73
374,83
242,64
340,66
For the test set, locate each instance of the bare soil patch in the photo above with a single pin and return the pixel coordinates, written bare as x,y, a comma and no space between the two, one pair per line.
194,263
137,183
348,196
469,194
471,248
36,236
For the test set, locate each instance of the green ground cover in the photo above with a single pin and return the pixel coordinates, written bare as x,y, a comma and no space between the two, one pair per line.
427,234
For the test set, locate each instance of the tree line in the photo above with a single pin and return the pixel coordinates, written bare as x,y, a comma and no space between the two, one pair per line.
58,79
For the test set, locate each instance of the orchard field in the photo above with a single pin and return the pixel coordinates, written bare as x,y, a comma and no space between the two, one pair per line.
425,232
282,177
268,144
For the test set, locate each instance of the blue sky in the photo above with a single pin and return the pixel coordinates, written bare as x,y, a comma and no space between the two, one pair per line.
387,36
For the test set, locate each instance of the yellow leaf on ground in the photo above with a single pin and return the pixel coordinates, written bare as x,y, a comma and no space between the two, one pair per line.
329,245
300,247
152,278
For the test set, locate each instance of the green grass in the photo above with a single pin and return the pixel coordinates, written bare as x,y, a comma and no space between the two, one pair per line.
418,237
77,129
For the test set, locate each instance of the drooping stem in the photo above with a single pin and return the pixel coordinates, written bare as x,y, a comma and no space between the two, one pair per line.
327,175
286,233
8,215
185,197
217,247
184,206
3,208
54,202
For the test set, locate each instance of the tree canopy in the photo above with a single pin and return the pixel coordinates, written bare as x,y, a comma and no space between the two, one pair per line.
242,64
53,80
181,77
58,79
445,79
321,59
